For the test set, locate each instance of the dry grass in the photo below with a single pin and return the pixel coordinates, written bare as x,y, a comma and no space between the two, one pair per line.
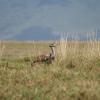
78,51
2,47
74,75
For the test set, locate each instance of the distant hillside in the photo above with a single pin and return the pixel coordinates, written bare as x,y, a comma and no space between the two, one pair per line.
46,33
36,33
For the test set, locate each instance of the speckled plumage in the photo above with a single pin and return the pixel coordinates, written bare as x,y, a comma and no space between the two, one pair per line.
46,57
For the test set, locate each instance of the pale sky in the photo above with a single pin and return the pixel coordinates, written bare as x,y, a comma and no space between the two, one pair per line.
47,18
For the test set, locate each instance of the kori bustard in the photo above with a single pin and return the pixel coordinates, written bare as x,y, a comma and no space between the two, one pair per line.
46,57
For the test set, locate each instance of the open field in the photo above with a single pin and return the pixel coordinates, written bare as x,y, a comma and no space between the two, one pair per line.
74,75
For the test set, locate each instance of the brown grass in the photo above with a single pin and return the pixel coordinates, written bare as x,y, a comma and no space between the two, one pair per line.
74,75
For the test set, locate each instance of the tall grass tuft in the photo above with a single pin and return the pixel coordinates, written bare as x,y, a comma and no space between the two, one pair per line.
2,47
76,52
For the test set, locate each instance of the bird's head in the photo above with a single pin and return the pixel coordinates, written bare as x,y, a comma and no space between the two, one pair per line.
52,45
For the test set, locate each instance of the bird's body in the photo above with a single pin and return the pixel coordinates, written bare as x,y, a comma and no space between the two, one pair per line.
46,57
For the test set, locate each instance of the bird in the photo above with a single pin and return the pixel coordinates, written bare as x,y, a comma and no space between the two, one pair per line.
46,58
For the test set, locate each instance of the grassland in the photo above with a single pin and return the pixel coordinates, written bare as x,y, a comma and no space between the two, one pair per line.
74,75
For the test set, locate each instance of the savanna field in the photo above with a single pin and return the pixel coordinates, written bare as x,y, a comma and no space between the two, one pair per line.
73,75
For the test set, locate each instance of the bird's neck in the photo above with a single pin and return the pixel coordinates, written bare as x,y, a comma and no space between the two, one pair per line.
53,51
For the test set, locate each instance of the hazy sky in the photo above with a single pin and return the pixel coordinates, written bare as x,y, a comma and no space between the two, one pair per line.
47,16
